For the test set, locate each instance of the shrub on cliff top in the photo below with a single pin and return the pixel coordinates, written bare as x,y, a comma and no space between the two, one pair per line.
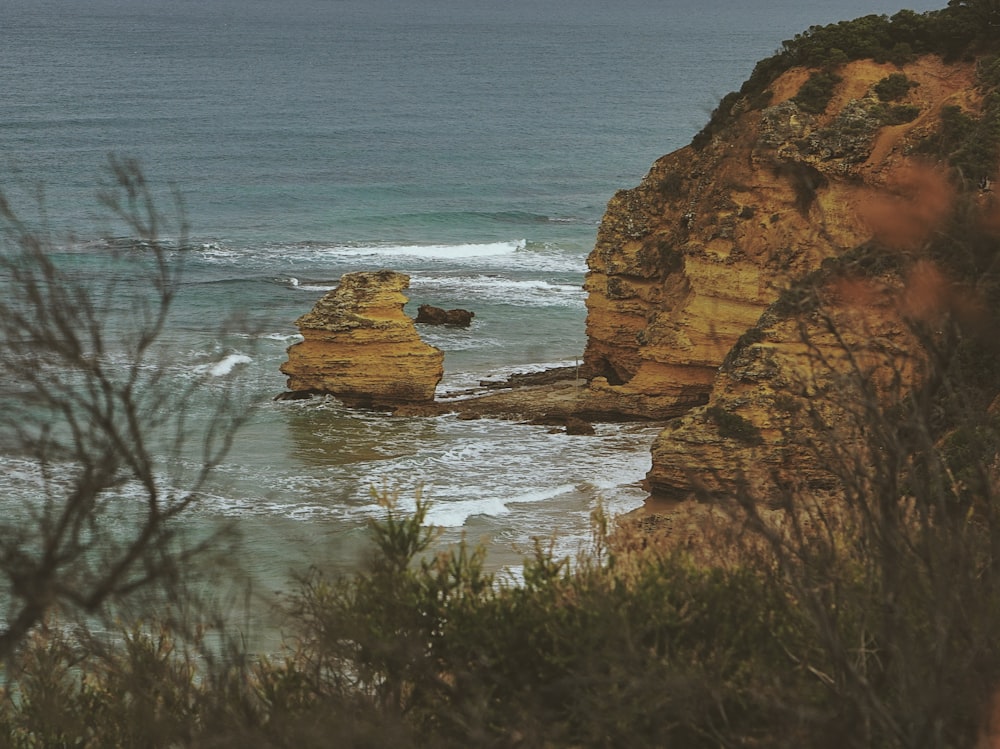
814,95
964,27
971,144
894,87
900,114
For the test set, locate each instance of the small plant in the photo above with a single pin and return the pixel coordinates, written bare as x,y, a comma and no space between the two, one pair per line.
971,144
900,114
671,185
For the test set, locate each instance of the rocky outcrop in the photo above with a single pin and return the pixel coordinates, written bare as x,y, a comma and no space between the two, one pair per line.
792,400
688,262
430,315
361,347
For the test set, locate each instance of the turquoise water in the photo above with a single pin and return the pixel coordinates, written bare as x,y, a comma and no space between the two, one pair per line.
471,144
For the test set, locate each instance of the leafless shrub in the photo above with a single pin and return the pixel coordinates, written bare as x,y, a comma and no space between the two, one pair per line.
91,407
895,568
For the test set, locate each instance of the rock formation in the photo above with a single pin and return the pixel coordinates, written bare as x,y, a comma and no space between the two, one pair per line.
686,263
798,387
361,347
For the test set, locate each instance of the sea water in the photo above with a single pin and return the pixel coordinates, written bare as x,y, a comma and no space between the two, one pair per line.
471,144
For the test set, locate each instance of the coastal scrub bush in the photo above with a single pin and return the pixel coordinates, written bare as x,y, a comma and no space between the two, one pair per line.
963,28
900,114
894,87
635,648
631,644
970,144
814,95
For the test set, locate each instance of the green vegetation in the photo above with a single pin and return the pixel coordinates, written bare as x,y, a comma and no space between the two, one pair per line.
963,28
970,143
671,185
894,87
900,114
815,94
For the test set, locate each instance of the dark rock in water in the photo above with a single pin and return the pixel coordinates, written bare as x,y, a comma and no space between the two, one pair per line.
579,426
295,395
572,424
431,315
526,379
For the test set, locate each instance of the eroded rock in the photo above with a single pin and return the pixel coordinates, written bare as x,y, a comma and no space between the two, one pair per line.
360,346
689,260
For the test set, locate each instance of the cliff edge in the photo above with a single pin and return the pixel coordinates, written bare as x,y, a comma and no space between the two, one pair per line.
839,183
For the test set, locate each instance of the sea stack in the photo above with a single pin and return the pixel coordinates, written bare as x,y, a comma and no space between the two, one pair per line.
360,346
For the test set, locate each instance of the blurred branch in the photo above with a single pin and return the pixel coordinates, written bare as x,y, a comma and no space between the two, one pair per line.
120,444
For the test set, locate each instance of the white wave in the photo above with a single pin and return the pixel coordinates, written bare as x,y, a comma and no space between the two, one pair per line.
432,252
444,513
224,366
455,514
534,292
20,472
529,369
520,253
283,337
295,283
215,251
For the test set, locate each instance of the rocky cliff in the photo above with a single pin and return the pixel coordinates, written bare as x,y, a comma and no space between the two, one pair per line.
834,196
361,347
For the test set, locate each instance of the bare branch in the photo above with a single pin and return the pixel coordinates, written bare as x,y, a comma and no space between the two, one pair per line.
94,406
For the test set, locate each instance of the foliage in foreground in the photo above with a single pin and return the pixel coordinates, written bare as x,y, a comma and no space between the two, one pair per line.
871,626
635,646
96,426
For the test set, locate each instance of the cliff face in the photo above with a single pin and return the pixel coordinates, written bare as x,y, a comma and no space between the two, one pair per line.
797,390
361,347
686,263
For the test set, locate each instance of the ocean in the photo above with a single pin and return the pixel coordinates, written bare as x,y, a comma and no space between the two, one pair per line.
470,144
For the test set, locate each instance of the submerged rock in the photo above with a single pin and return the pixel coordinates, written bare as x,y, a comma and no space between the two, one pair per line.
360,346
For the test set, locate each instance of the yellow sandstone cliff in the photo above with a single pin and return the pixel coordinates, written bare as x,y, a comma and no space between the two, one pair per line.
686,264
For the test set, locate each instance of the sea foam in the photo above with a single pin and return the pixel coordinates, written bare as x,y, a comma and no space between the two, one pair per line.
433,252
495,288
454,513
224,366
